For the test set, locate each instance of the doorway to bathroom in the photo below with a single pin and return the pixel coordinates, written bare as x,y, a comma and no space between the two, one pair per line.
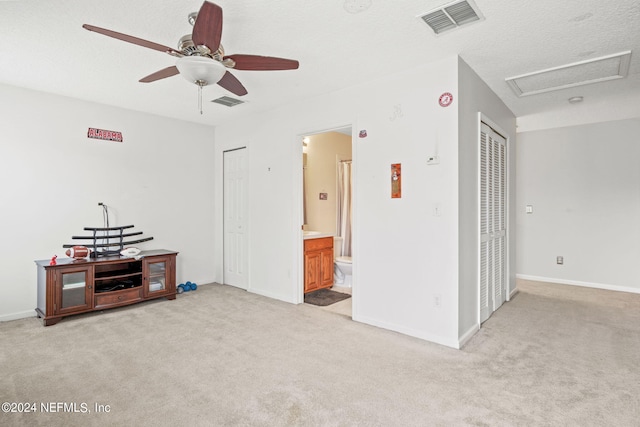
327,200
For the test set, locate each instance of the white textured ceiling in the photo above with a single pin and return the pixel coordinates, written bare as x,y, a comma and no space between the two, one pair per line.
44,47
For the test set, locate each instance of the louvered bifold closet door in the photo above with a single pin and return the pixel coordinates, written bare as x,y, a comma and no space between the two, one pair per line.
492,221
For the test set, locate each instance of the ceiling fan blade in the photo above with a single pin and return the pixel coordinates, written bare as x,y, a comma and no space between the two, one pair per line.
262,63
162,74
207,30
233,85
131,39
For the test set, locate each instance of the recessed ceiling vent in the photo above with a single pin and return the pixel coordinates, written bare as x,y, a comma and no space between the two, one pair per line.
595,70
452,15
228,101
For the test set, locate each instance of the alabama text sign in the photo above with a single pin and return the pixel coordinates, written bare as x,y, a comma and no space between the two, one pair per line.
107,135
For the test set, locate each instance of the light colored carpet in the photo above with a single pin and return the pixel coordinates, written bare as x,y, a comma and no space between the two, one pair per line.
554,356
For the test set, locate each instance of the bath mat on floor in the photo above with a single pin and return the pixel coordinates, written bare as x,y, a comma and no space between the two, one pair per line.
324,297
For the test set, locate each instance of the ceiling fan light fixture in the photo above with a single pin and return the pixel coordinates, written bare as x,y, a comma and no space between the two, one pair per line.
200,70
201,58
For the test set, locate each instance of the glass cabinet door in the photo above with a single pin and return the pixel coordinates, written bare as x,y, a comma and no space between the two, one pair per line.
157,276
73,288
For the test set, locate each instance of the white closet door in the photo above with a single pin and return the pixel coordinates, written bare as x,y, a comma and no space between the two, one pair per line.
493,227
235,218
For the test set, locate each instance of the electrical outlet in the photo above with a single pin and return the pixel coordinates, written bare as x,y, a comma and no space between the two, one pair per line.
560,260
437,301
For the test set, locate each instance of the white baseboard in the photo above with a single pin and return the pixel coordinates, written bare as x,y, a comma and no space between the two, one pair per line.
408,331
467,335
272,295
17,316
578,283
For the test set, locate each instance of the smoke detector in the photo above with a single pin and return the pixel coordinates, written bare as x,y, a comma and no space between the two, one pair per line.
357,6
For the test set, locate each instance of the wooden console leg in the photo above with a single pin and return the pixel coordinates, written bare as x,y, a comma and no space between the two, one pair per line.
45,321
51,321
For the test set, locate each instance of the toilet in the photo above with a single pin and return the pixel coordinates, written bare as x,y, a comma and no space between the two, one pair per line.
342,266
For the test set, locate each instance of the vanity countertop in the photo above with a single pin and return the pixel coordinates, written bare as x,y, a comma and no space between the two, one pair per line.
315,234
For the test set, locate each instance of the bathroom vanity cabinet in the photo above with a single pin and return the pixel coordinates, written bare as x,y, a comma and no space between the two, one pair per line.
318,263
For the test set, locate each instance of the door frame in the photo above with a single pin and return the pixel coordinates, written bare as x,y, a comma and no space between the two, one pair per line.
507,247
298,282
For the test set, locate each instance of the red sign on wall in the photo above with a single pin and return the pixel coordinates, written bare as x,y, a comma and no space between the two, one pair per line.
107,135
396,180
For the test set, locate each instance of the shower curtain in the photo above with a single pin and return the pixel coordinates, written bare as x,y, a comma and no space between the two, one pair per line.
344,206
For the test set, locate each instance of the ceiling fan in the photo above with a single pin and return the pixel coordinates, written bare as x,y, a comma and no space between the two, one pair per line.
201,58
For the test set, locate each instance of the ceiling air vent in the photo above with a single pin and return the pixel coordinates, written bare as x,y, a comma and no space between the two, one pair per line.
595,70
452,15
227,101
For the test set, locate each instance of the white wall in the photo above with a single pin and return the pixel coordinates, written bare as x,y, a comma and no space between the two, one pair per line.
584,185
323,151
475,96
159,179
405,258
617,106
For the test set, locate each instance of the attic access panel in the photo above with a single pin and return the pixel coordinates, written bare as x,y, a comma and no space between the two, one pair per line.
595,70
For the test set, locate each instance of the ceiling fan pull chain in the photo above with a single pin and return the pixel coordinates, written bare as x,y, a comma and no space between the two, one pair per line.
200,84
